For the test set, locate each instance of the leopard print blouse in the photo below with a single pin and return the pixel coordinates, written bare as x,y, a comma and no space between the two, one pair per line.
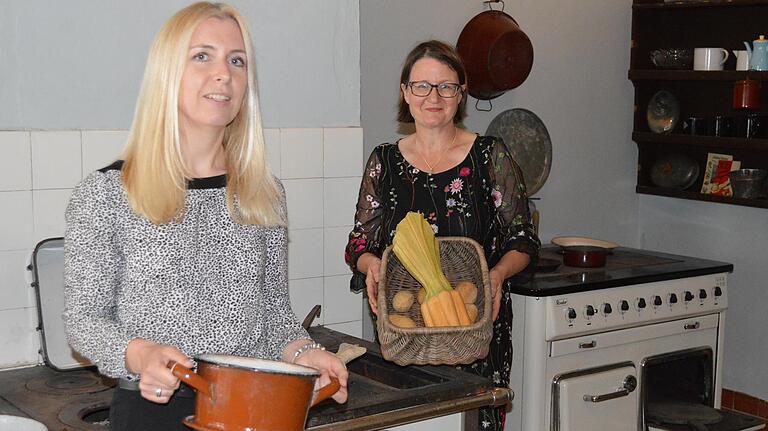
205,285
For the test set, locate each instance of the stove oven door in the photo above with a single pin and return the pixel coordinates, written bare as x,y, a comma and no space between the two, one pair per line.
603,398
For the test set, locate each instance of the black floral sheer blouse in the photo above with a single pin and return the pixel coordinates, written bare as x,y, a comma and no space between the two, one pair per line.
483,198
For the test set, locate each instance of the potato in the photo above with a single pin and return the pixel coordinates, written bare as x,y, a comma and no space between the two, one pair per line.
422,295
472,312
468,291
402,301
401,321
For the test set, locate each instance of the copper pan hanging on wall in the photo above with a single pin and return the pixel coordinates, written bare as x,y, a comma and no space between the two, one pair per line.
498,55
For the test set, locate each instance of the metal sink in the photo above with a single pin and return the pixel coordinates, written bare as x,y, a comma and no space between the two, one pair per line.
373,368
382,393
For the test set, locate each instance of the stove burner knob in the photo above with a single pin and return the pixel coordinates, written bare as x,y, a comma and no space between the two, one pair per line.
571,314
702,293
718,291
590,311
673,298
624,305
607,309
656,300
688,296
641,303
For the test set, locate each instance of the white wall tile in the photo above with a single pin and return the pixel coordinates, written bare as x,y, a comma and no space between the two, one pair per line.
306,293
56,159
354,329
301,153
19,342
38,170
340,201
305,253
101,148
49,207
16,220
15,291
334,241
15,161
342,152
272,146
305,200
341,305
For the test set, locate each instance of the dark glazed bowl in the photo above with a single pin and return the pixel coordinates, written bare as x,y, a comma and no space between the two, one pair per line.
584,256
672,58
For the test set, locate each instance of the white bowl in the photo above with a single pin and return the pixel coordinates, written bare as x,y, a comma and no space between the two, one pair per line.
568,241
18,423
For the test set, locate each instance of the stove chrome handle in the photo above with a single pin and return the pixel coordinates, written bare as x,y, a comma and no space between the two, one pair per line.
691,326
629,385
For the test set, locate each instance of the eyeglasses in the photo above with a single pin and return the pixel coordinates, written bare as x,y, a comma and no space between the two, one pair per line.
445,89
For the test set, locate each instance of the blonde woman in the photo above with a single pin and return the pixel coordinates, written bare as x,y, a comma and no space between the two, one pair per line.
180,249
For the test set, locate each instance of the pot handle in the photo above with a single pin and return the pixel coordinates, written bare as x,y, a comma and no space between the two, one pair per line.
326,391
190,377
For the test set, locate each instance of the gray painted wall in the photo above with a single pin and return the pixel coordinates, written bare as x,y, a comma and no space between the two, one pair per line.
579,87
731,234
78,64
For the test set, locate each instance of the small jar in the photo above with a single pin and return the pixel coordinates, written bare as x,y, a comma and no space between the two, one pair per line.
746,94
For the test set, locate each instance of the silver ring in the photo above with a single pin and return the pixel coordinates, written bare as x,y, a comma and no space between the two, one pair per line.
159,392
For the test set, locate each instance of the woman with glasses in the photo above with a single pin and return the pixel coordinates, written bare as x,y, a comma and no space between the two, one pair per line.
180,249
464,184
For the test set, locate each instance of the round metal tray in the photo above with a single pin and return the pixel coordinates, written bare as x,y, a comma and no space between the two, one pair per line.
528,140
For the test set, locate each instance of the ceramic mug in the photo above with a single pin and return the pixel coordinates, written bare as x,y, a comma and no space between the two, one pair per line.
722,126
749,126
709,58
697,125
742,59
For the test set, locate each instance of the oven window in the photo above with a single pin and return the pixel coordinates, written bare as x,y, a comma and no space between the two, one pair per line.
684,376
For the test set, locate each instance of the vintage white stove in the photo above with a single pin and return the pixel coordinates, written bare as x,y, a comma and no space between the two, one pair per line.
617,348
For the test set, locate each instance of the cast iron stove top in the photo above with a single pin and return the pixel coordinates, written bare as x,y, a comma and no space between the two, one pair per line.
62,400
624,267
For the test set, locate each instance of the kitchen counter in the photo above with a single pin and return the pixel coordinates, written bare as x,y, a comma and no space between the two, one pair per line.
383,394
624,266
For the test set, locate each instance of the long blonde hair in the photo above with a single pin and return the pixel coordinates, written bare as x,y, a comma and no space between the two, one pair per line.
154,174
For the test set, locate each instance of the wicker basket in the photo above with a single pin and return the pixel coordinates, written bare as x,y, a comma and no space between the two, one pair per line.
462,259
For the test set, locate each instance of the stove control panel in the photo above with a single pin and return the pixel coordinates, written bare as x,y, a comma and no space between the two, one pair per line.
608,309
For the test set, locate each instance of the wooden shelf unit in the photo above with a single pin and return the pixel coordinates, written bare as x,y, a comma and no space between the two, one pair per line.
689,24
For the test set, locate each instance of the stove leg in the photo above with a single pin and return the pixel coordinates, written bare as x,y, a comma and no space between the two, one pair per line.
470,418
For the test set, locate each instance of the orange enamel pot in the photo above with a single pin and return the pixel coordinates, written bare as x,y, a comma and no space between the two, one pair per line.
237,393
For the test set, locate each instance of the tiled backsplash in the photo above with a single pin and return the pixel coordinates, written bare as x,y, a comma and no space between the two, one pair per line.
744,403
320,169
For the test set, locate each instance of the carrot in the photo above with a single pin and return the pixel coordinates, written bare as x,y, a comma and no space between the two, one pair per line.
436,312
461,308
446,303
427,317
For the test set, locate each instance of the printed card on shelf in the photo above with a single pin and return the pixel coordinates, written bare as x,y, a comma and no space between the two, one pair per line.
716,180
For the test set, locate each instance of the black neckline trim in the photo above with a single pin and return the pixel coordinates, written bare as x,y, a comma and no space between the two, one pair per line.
215,182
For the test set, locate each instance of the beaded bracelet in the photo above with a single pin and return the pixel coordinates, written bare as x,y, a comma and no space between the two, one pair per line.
309,346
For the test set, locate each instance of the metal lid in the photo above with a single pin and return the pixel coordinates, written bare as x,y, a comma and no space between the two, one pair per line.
48,281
